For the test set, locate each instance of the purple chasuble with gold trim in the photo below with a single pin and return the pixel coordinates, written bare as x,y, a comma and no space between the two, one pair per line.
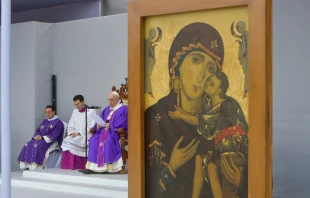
104,146
34,150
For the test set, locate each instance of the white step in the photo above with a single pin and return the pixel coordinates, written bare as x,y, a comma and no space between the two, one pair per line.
109,179
20,192
63,184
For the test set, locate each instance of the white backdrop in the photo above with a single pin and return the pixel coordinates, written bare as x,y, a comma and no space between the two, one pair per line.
31,67
89,57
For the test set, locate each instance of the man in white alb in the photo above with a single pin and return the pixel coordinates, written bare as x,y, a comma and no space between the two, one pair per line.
73,146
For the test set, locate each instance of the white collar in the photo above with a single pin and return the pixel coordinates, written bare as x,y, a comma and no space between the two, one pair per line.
53,118
116,107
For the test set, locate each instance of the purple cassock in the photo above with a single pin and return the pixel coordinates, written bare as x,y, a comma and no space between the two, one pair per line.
34,150
104,146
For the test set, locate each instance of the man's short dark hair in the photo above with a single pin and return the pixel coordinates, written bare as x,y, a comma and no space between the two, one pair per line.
50,106
78,97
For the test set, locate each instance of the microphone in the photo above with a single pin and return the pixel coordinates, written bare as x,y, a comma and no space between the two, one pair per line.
93,107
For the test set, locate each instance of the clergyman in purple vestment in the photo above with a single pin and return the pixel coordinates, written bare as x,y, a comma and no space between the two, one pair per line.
50,132
105,154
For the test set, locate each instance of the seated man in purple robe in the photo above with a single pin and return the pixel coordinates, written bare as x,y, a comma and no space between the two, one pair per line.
34,153
105,154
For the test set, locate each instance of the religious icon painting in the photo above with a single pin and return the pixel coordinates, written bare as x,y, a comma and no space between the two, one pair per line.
199,87
196,98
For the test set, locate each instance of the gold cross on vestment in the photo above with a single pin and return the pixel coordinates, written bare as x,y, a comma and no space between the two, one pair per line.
157,117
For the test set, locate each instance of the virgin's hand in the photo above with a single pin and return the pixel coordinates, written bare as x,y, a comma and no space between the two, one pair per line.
98,126
180,156
175,114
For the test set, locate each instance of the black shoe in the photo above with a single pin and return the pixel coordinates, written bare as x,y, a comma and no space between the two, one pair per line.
87,171
81,170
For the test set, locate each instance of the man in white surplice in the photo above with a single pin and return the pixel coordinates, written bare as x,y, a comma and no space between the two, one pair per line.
73,146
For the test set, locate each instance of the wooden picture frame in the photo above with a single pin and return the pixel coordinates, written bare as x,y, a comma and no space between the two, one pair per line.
260,86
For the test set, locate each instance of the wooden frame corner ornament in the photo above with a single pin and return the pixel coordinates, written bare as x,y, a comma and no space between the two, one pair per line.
259,103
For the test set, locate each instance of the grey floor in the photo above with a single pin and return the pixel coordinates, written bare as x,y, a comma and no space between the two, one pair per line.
18,192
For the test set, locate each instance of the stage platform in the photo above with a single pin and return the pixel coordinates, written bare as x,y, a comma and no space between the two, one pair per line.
69,183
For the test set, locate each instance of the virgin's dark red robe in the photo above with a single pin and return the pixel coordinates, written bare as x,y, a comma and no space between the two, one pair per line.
162,133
